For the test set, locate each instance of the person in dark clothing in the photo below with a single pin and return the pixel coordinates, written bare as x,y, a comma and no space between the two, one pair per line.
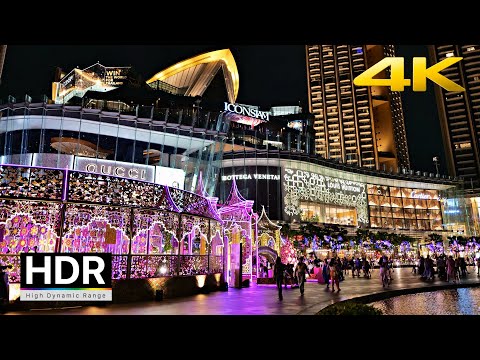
4,284
301,271
278,271
288,276
338,265
421,266
441,264
326,272
344,267
366,268
463,267
351,264
428,272
334,274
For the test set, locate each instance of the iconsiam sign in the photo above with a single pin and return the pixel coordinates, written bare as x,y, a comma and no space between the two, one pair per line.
251,112
154,229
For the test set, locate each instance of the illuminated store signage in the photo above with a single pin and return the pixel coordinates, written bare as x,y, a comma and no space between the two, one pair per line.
452,211
155,174
302,185
251,176
415,195
243,110
115,76
115,168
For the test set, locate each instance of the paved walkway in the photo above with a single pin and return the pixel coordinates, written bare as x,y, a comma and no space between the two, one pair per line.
261,299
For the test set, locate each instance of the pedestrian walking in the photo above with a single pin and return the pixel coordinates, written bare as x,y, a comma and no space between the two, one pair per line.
451,272
334,274
301,271
326,272
278,271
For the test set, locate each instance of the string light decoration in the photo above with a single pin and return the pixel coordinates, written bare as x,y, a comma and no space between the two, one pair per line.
315,243
309,186
93,213
288,254
235,213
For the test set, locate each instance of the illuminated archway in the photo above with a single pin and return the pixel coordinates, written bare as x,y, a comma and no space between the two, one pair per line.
194,242
268,253
156,239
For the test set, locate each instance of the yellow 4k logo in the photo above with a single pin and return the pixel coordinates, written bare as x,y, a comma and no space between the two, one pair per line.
397,82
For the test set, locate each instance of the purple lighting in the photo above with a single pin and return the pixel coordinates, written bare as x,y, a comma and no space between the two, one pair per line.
136,221
65,185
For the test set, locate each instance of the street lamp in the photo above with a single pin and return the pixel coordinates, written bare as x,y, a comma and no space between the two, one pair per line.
435,161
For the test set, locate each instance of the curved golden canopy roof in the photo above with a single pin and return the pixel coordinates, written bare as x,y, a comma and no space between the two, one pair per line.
195,74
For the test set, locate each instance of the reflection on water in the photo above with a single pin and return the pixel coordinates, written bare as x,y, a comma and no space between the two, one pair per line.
442,302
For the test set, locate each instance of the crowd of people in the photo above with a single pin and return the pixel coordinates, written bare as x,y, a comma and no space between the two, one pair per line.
447,268
334,270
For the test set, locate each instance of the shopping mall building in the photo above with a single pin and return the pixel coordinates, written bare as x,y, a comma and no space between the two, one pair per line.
184,121
109,164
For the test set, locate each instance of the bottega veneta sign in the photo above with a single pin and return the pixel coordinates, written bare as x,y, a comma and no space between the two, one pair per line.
251,176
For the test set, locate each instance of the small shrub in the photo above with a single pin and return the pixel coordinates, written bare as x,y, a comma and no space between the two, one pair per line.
350,308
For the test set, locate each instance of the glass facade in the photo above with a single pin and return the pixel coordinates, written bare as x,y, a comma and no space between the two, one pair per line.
456,212
54,135
330,214
404,208
297,188
475,218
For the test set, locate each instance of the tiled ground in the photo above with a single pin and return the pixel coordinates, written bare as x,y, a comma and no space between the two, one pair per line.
260,299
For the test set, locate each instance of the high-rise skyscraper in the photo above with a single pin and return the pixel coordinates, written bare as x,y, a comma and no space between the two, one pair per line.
459,112
363,126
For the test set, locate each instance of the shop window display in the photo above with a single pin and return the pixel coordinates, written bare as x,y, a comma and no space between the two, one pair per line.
404,208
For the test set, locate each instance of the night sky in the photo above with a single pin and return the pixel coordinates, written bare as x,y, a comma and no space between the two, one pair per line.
269,75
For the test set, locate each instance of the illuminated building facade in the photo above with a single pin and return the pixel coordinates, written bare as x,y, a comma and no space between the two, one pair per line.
459,113
110,165
114,166
300,188
93,78
103,121
355,125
